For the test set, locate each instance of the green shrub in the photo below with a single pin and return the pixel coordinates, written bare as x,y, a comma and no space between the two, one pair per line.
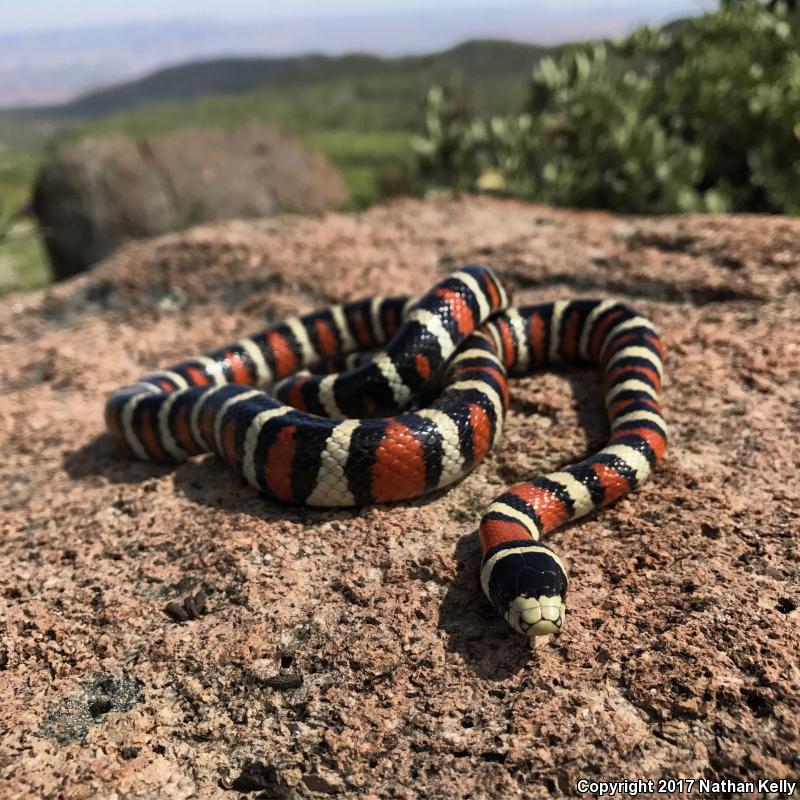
705,116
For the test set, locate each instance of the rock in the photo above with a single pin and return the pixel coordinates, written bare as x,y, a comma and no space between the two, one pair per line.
94,194
679,652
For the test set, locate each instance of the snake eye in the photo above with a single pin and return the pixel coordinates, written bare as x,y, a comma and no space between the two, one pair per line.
527,583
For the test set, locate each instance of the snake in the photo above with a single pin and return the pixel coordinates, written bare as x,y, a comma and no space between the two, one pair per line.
388,398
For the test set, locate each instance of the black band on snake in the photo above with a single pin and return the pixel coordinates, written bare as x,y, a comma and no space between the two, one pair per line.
416,416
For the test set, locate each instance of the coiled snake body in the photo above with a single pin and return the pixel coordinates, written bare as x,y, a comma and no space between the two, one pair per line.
415,417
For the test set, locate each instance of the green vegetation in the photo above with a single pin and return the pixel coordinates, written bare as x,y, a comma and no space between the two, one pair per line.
704,116
22,262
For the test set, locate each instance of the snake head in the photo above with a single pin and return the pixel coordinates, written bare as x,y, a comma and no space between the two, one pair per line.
527,583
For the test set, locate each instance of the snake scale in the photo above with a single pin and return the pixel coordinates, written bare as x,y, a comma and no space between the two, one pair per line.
385,399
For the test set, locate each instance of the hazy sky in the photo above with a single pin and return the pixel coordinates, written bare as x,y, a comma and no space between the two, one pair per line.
54,14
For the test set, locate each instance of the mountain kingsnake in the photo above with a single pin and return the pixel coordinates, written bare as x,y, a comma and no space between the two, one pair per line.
416,416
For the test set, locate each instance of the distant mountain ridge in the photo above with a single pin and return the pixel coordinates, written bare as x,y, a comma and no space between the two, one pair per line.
482,59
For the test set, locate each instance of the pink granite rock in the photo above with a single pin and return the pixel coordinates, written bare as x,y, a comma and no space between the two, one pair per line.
351,652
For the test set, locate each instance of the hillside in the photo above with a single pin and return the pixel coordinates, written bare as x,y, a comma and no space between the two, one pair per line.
359,110
492,65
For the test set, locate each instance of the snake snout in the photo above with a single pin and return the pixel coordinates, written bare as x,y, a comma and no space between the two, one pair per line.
537,616
527,583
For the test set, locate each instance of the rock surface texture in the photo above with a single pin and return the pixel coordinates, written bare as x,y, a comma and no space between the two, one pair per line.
95,194
166,632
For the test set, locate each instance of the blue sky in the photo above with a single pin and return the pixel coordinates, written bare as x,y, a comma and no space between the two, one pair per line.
55,14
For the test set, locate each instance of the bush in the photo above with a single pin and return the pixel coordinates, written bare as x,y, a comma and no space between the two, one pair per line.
705,116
